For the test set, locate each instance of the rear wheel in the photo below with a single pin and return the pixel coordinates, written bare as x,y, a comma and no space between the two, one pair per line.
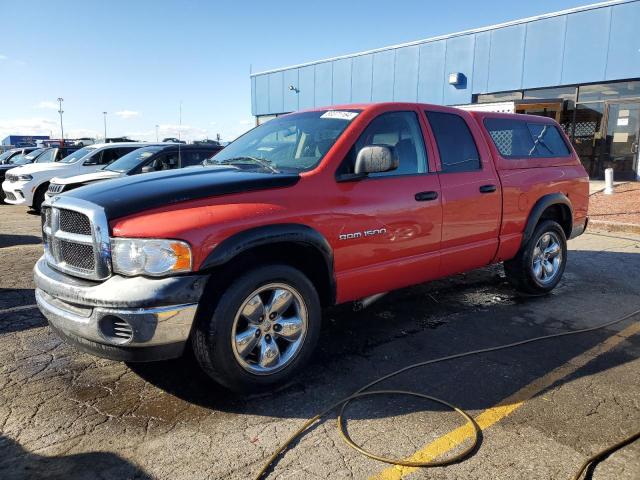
262,330
540,263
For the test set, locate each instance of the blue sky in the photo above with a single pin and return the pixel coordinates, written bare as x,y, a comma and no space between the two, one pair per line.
138,60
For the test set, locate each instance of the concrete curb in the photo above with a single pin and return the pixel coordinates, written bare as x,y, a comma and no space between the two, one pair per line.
614,226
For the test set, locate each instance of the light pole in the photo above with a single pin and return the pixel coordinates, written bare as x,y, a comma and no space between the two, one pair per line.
105,126
157,126
60,111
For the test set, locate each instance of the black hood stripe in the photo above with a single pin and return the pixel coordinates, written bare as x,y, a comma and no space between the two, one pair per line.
134,194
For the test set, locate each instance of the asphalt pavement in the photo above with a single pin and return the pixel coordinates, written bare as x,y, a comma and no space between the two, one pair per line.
544,408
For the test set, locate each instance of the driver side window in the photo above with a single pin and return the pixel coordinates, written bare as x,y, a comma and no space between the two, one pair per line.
399,130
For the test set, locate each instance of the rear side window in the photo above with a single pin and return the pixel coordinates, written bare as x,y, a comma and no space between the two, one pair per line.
520,139
191,157
458,151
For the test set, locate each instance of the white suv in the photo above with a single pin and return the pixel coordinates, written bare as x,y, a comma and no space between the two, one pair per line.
27,184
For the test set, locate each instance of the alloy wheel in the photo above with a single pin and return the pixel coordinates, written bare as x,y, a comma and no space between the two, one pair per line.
269,329
547,258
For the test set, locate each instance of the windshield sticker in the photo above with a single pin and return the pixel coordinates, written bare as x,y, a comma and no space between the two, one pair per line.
339,115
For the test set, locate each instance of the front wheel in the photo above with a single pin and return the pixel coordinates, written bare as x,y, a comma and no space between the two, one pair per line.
263,328
38,198
540,263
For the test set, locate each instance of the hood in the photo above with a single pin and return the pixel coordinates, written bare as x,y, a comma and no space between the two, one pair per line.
133,194
9,166
87,177
39,167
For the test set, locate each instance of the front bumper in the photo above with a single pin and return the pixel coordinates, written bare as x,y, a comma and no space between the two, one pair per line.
128,319
14,192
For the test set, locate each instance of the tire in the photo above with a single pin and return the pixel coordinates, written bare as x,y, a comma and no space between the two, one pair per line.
238,366
529,271
38,198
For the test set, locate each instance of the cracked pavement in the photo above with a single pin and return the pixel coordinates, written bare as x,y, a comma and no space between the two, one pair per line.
66,414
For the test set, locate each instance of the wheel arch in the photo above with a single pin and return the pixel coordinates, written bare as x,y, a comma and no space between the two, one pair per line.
298,245
40,189
553,206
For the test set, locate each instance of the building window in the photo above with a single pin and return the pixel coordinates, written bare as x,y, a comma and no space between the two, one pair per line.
608,91
264,119
498,97
587,136
565,93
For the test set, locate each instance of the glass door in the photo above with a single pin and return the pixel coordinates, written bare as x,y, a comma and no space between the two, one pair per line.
621,141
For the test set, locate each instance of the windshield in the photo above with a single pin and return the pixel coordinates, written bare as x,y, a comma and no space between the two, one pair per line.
132,159
48,155
6,155
24,159
77,155
293,143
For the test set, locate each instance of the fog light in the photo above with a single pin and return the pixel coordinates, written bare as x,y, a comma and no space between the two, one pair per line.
115,330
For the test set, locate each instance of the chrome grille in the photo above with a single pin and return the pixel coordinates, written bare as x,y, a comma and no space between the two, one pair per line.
74,222
55,188
77,255
75,237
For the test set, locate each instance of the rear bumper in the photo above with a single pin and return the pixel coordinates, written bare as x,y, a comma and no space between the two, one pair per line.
579,227
129,319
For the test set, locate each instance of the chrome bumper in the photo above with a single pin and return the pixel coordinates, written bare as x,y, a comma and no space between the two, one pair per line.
155,315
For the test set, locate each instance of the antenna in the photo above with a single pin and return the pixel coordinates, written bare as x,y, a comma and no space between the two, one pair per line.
179,132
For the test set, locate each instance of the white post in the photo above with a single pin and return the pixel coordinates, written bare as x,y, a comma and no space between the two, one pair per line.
608,181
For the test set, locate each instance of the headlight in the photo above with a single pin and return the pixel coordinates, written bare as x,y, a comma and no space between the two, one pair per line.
138,256
23,178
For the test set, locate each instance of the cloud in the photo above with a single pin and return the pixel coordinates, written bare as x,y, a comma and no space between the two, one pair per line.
127,114
185,132
48,105
29,126
3,57
82,133
42,126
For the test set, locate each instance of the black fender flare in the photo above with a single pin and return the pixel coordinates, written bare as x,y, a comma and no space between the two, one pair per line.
272,234
538,209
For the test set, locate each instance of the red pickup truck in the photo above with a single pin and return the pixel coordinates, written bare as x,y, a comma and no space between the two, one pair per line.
236,258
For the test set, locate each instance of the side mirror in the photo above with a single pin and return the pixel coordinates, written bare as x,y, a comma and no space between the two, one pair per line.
147,169
376,159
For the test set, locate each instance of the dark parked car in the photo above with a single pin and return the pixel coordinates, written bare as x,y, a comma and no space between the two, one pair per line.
14,152
143,160
173,140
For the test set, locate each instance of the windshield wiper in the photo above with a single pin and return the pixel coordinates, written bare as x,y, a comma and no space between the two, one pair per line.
260,161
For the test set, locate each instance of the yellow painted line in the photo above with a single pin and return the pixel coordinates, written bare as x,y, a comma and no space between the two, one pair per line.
507,406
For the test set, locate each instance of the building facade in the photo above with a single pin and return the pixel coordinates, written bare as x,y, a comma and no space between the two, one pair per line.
580,66
23,140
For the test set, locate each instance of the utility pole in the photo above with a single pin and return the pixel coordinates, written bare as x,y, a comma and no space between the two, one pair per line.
105,126
60,111
157,126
